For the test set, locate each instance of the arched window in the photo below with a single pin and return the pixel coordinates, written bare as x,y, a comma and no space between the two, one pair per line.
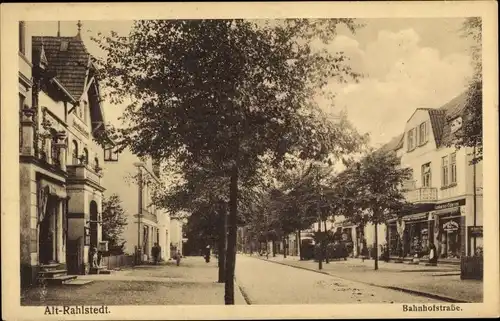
85,156
75,152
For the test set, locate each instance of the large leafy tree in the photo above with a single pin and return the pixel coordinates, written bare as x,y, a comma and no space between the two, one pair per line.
471,134
114,220
219,94
370,191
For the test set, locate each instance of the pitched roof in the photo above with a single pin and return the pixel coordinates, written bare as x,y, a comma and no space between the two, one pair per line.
453,109
438,121
70,65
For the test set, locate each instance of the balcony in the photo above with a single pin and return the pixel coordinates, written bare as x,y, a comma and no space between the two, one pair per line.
84,173
421,195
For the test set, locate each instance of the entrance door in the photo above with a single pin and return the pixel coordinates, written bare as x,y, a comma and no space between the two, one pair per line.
93,223
46,239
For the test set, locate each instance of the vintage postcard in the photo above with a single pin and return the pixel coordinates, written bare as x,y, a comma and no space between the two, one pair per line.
249,160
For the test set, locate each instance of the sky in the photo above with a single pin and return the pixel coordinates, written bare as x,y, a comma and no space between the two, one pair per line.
406,63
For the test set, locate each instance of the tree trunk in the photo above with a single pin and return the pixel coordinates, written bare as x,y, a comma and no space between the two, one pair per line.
222,244
299,244
231,238
274,248
376,246
326,245
284,247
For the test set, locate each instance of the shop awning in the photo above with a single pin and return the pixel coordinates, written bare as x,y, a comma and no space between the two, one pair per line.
53,189
416,217
451,210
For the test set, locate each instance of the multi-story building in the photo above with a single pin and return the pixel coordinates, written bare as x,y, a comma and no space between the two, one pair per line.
60,172
446,189
133,180
176,235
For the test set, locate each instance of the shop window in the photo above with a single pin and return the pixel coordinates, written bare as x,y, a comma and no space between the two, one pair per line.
426,175
444,171
422,133
453,168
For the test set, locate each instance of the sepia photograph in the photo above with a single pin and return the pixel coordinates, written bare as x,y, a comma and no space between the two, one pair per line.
288,161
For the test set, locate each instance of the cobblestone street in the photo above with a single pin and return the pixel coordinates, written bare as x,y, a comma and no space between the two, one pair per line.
191,283
440,281
270,283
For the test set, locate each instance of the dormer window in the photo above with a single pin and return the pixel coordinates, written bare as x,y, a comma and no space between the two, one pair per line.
64,45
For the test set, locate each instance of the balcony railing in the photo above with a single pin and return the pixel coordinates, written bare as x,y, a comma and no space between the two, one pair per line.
84,172
422,195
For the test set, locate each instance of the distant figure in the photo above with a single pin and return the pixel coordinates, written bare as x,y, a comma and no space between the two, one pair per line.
433,258
155,251
207,254
178,257
93,257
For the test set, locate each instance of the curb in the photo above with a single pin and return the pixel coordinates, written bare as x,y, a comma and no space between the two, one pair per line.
242,292
414,292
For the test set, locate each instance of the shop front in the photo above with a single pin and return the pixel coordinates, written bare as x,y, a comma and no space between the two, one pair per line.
450,229
409,236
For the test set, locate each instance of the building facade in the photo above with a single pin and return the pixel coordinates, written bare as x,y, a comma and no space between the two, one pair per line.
446,190
133,180
60,164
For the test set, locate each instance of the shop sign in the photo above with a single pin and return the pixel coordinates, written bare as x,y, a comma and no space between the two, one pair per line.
476,231
450,204
450,226
416,217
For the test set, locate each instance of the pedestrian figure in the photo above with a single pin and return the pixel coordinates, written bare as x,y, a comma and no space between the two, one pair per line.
207,254
93,257
433,258
178,257
155,251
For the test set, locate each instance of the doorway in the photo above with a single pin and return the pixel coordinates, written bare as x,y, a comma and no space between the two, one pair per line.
46,239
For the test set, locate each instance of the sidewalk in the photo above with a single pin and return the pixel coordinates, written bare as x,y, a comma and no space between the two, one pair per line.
194,282
442,281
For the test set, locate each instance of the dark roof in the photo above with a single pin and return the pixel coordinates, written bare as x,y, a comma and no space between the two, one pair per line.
438,120
70,65
453,109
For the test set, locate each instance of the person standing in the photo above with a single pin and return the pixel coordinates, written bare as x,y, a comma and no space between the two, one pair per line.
155,253
433,258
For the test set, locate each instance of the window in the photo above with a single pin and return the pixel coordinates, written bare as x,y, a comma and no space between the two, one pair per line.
110,155
453,168
22,99
75,152
22,36
426,175
444,171
64,45
422,134
85,156
411,139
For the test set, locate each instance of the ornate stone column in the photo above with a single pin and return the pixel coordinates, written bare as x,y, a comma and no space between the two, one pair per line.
27,147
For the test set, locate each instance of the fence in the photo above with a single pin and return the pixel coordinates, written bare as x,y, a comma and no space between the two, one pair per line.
117,261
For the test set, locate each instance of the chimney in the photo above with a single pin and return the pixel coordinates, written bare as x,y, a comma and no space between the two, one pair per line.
79,25
59,28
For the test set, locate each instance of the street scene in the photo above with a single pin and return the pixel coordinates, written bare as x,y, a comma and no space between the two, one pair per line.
251,162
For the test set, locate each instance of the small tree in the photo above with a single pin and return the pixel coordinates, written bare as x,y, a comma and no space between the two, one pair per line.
114,221
372,190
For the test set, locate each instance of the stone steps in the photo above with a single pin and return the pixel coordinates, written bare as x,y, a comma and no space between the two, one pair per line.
57,280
